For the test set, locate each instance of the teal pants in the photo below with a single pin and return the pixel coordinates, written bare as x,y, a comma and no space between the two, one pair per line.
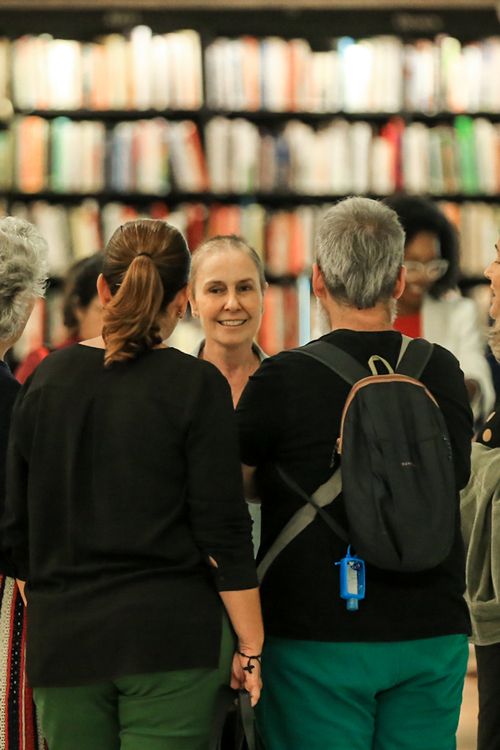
159,711
362,696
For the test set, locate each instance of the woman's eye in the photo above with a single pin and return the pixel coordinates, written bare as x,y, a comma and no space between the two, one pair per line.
246,288
215,290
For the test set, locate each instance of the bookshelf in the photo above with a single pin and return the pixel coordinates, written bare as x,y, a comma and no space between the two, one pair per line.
248,200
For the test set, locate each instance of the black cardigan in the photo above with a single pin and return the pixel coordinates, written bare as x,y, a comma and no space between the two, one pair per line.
122,481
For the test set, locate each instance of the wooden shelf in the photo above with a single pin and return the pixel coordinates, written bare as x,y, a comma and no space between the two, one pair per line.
72,5
275,199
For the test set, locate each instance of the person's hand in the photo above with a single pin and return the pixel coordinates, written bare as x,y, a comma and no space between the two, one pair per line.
242,678
20,586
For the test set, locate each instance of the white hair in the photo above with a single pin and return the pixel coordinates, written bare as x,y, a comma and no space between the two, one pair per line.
360,250
23,272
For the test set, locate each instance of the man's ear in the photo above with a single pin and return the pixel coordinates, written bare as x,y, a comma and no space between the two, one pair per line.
400,283
318,282
103,290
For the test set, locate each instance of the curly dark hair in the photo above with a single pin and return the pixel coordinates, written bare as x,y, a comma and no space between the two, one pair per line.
417,214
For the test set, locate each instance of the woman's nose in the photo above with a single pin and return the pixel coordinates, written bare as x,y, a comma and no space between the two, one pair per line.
232,301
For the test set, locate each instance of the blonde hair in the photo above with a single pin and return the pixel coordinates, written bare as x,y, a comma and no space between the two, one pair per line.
224,243
146,264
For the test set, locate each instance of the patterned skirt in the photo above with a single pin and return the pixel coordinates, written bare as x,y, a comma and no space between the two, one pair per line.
19,727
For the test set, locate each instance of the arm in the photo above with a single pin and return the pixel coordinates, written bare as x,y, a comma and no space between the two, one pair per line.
220,521
243,608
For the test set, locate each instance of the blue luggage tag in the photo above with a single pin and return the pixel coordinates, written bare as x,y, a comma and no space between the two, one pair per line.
352,579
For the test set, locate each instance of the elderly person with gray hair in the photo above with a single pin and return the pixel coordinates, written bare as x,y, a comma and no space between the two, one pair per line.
389,675
23,273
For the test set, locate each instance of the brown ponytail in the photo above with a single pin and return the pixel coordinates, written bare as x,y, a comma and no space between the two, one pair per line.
146,263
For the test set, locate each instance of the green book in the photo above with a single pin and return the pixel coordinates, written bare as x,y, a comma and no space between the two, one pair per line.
467,158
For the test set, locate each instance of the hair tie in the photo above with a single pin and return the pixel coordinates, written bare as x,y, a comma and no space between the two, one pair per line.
146,254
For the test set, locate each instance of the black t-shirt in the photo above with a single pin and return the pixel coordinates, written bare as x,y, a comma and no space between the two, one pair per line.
122,481
290,414
9,388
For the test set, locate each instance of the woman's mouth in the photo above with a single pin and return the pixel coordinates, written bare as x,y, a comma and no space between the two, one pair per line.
231,322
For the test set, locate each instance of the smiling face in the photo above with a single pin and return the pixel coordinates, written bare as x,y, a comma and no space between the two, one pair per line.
423,248
493,274
228,298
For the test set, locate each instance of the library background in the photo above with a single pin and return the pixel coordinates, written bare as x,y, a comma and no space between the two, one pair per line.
229,118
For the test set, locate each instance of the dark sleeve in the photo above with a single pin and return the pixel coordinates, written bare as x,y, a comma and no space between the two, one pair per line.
261,413
220,520
445,380
10,389
14,524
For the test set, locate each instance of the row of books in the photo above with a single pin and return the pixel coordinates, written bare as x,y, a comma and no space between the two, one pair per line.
65,156
380,74
284,239
162,71
152,156
341,157
144,71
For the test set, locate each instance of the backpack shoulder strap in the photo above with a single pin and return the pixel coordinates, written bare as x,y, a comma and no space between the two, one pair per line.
415,357
336,359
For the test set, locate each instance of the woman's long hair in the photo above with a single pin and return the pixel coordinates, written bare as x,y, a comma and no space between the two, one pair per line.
146,264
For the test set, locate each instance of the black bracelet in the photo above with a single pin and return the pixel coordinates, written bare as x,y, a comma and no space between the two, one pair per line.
250,667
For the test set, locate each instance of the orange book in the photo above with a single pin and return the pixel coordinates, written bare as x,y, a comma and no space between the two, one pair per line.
296,244
272,330
251,72
277,244
159,211
32,147
393,132
224,220
195,156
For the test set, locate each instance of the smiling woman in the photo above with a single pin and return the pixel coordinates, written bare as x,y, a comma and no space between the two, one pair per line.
227,295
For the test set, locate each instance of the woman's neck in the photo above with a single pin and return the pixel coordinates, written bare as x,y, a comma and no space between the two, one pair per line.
235,363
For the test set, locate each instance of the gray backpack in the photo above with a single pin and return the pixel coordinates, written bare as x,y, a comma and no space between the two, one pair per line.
396,476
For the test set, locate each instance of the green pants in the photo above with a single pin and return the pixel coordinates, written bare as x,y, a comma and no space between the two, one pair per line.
162,711
362,696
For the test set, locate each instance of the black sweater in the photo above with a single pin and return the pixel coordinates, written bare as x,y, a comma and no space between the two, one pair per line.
122,482
290,414
9,388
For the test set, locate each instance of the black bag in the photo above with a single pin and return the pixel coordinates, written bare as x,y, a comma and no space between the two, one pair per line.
398,481
233,726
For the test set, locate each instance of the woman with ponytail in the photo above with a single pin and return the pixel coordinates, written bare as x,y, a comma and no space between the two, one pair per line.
126,518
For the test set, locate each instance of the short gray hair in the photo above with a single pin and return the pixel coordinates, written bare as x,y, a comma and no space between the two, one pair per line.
360,250
23,272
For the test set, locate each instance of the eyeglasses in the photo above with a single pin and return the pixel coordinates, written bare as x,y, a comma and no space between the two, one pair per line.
433,270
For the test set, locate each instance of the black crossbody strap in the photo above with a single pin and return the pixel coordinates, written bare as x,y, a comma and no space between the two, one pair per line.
337,528
415,358
336,359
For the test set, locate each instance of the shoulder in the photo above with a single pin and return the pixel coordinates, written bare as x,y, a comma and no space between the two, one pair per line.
9,386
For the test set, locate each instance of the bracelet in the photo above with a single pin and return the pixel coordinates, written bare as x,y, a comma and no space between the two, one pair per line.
250,667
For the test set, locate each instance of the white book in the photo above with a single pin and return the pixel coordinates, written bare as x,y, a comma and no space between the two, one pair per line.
472,57
244,156
340,159
487,155
415,152
357,66
52,223
140,43
64,71
361,138
84,222
217,150
118,63
160,73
